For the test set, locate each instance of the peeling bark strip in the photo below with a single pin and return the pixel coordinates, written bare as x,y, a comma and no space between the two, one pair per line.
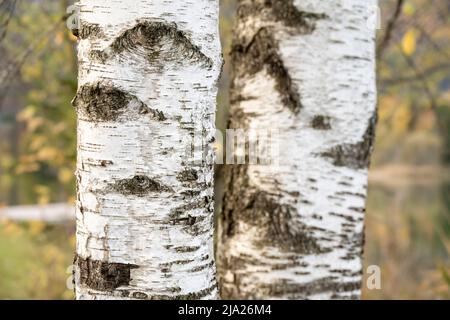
147,79
103,276
156,41
295,231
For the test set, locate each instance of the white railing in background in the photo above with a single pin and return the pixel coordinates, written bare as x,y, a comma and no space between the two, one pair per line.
51,213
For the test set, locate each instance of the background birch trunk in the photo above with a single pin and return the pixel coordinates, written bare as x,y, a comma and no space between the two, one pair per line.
148,72
295,231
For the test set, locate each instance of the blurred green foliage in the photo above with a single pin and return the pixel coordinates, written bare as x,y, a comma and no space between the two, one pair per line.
38,164
35,261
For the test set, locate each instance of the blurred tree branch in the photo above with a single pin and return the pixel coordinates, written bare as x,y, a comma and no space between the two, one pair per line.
442,126
413,78
14,67
7,8
390,28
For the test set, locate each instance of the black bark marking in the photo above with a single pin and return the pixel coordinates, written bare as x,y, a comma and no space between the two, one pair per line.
102,102
88,30
186,249
189,220
252,56
329,284
139,185
188,296
286,12
103,276
274,220
188,175
157,42
356,156
262,52
321,122
154,114
283,11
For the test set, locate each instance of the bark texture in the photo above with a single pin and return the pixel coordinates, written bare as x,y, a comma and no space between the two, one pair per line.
148,72
296,230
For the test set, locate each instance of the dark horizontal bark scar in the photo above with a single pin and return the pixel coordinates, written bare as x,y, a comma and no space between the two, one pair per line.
100,102
139,185
356,156
158,42
103,276
321,122
176,296
88,31
263,52
284,288
188,175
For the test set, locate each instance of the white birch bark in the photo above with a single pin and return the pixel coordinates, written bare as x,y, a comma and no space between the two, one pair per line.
296,231
148,72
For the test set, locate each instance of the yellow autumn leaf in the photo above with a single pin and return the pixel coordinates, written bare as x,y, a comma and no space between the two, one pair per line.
65,175
47,154
36,227
34,123
409,42
26,114
409,9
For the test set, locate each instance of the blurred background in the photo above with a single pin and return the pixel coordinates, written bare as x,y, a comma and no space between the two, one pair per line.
408,215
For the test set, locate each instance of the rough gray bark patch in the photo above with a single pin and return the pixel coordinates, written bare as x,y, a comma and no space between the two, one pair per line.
264,211
356,155
139,186
188,175
101,102
103,276
156,41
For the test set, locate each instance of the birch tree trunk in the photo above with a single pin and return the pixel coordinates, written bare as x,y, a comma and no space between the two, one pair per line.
295,231
148,72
